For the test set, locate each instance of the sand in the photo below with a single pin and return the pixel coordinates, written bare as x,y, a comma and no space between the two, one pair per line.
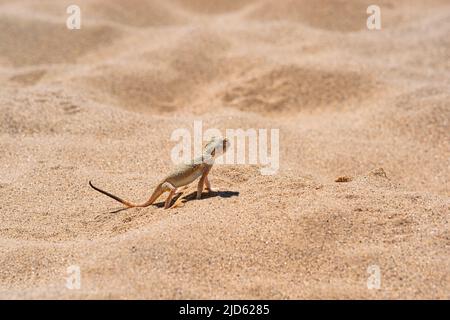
364,171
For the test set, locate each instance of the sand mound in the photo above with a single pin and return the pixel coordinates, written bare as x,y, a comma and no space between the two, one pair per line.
422,115
25,114
136,13
331,15
340,15
294,89
164,81
216,7
138,88
31,42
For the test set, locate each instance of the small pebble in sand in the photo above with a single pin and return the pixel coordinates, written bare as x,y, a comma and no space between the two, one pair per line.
343,179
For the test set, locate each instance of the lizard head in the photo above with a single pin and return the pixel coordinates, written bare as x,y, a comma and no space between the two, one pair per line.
216,146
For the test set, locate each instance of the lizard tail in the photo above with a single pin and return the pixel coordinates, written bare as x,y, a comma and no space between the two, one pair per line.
152,199
128,204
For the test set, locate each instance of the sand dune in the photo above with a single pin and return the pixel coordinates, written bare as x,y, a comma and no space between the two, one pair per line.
23,41
292,89
364,148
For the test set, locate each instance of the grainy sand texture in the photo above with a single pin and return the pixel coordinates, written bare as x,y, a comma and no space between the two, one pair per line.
362,191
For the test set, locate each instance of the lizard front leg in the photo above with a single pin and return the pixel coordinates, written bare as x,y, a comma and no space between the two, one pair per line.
208,186
201,182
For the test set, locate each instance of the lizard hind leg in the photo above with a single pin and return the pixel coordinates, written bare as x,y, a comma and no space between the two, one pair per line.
172,189
179,197
159,190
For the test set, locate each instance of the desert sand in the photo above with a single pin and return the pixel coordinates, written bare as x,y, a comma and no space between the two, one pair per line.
363,117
